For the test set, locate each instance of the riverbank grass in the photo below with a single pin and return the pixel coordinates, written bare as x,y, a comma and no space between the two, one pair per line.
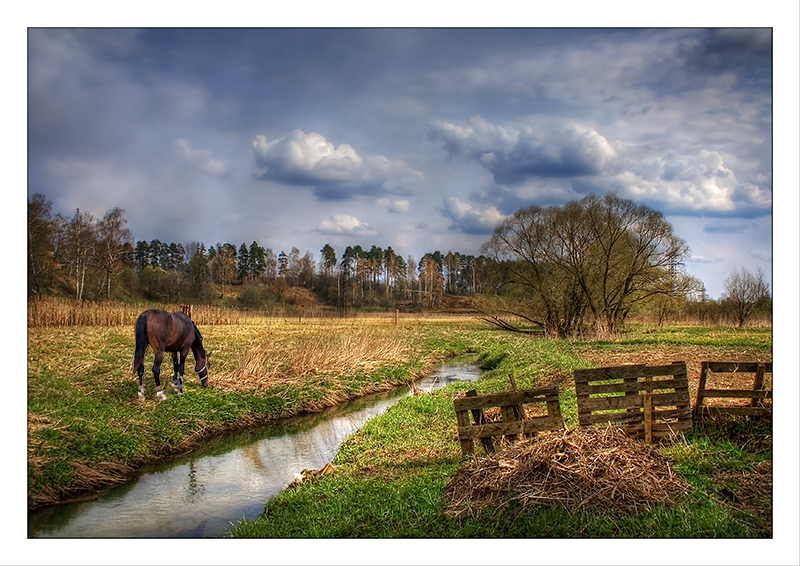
88,430
392,473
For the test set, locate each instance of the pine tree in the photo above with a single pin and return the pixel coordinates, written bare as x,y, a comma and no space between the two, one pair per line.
141,256
243,264
328,259
283,264
155,253
198,267
258,260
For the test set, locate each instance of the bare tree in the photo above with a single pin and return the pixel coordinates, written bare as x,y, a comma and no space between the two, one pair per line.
745,290
81,238
223,267
41,229
597,256
112,235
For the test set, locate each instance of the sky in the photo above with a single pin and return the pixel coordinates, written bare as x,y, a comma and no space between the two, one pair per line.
421,139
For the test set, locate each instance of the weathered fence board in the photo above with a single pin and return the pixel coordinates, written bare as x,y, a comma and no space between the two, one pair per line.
756,395
512,409
635,398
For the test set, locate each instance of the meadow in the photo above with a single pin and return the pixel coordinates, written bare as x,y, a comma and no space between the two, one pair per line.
391,475
87,429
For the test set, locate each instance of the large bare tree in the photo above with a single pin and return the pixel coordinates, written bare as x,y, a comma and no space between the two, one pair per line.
594,258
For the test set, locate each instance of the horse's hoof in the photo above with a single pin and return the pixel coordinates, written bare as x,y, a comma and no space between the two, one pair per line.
161,396
141,397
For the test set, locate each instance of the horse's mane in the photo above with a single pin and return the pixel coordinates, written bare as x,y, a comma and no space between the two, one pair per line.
197,334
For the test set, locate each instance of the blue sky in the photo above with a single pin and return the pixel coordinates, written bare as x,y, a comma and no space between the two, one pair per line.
421,139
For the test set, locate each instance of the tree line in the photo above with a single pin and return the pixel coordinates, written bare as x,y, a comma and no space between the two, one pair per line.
98,259
585,266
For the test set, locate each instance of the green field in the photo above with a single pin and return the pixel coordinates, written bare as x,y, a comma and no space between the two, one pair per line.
87,429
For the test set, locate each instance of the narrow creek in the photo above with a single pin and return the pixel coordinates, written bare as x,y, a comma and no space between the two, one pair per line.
203,493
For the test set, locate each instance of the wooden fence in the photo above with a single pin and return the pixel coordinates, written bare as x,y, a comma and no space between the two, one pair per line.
648,401
514,422
757,394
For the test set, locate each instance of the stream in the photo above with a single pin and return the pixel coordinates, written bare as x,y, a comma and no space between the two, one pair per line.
204,492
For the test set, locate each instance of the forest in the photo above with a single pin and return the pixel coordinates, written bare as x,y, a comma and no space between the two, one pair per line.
589,265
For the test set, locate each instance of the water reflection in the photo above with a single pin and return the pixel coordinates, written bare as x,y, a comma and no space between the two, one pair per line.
203,493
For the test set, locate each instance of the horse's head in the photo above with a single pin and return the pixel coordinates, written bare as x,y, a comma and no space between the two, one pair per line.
200,357
201,365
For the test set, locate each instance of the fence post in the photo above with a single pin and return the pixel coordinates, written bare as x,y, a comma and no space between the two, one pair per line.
701,388
648,412
758,385
477,414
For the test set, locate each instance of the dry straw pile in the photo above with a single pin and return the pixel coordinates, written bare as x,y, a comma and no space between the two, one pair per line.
598,467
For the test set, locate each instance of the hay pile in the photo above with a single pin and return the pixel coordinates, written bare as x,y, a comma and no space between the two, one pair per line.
598,467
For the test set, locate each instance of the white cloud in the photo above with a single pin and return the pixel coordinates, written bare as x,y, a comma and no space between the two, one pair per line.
699,182
465,218
335,172
703,259
201,160
345,224
400,206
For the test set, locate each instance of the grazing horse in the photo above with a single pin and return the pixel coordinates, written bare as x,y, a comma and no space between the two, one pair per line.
170,332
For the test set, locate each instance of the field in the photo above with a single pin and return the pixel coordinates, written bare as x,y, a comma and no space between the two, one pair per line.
86,428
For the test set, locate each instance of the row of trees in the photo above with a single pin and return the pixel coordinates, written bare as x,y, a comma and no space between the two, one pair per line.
587,265
94,259
91,252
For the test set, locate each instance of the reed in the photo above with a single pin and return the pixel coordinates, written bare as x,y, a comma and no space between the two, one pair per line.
54,312
324,350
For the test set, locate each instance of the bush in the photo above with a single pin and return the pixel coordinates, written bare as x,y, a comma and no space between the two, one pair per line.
250,298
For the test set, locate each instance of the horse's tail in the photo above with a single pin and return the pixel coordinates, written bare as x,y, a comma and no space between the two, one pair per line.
141,342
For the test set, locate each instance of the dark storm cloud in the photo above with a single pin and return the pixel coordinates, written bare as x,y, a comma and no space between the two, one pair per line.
514,155
745,49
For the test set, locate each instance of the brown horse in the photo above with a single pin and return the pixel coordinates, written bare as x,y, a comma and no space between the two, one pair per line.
171,332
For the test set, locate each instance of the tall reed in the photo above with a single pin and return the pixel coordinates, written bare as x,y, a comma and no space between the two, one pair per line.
51,311
318,351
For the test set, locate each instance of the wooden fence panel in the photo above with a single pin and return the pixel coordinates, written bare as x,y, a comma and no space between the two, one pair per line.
648,401
514,422
757,394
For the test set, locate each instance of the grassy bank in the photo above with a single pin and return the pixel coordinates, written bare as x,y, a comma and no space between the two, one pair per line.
87,429
392,473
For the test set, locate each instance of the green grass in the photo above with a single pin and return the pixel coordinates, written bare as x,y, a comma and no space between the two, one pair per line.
84,411
393,471
692,335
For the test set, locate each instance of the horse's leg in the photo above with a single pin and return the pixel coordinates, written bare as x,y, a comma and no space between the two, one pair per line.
157,375
181,367
175,369
140,373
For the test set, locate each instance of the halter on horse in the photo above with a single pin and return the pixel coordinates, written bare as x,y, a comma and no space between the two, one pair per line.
170,332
